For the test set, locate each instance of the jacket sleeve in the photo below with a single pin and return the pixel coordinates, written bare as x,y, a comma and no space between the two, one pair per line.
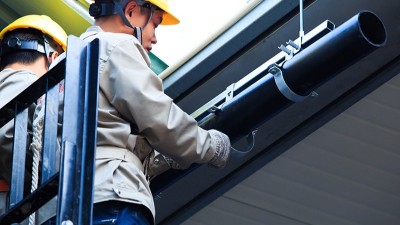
137,94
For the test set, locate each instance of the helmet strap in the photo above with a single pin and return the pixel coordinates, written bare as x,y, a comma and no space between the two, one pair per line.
137,30
138,34
50,46
47,50
15,44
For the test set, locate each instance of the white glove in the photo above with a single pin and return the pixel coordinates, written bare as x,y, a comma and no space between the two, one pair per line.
222,146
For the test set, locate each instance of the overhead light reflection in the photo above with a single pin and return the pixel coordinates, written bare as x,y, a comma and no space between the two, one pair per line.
79,8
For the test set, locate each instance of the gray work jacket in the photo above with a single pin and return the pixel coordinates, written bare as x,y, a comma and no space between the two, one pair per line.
135,117
12,82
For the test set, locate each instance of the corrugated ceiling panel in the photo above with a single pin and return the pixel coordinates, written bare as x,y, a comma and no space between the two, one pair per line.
347,172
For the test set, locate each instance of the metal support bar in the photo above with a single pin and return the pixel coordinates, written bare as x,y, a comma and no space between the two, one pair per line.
48,167
301,15
79,133
32,202
19,156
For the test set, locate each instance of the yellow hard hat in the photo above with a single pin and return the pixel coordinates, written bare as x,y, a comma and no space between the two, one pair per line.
42,23
168,17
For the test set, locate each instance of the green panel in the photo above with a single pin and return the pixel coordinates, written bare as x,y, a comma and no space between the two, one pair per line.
68,19
157,65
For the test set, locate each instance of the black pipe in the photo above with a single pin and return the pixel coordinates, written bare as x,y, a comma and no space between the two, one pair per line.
303,73
334,52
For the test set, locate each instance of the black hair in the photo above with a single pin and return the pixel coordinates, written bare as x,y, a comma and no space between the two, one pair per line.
21,56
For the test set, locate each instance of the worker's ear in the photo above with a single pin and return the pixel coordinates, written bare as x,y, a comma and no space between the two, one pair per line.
53,56
129,8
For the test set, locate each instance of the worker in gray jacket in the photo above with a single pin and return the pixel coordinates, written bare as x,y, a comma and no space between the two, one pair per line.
135,116
27,48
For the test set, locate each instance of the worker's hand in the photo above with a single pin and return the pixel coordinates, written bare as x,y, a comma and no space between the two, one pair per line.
222,149
157,163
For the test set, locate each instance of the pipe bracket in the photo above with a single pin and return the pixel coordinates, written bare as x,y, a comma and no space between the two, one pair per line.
284,88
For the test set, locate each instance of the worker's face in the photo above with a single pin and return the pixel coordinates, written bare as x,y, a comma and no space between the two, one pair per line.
149,32
138,17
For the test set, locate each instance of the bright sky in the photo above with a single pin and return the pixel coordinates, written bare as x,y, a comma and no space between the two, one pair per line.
201,22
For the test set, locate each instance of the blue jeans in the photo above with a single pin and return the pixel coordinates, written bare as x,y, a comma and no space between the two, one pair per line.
117,213
121,213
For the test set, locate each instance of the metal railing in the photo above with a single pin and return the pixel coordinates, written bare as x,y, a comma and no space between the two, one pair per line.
72,181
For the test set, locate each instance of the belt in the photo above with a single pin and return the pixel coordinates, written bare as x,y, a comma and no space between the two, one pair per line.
109,152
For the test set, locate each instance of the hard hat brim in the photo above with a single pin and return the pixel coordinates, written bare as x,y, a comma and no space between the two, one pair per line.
168,18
